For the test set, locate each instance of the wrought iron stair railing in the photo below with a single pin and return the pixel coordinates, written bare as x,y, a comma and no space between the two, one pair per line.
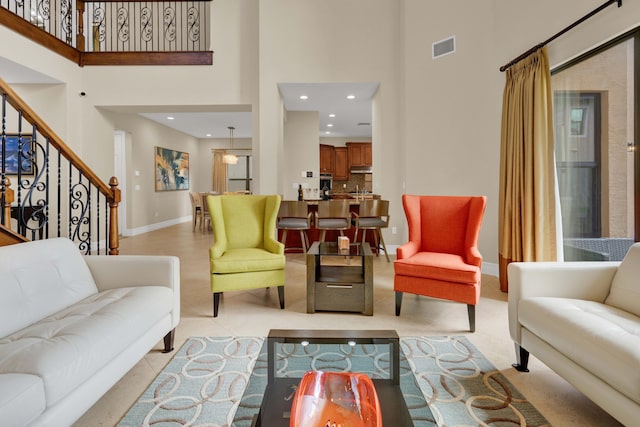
110,32
46,190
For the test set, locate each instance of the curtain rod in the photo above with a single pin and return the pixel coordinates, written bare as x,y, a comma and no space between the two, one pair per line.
555,36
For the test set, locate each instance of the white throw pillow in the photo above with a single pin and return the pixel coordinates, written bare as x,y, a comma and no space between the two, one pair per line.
625,288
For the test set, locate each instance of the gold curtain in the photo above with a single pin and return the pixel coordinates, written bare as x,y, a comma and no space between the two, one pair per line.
527,203
219,176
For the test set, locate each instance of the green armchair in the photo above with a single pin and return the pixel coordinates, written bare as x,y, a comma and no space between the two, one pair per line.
245,253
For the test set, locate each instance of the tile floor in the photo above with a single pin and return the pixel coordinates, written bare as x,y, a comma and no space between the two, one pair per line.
255,312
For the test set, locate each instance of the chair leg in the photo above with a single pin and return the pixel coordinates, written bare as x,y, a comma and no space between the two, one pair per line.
324,232
284,238
216,303
522,357
303,240
384,247
355,235
376,241
471,310
168,341
398,302
281,296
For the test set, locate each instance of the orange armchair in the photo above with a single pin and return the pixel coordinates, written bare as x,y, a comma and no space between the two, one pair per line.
441,259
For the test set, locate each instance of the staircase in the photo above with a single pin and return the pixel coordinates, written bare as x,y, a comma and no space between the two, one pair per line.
46,190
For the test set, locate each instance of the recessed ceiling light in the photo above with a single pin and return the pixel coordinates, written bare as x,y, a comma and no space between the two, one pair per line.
170,118
208,134
332,115
351,97
327,133
330,125
304,97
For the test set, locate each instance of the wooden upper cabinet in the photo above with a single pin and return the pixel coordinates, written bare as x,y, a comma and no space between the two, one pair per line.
327,159
367,154
360,154
341,172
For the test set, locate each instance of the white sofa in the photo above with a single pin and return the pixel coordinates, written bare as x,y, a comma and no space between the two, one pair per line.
71,326
582,320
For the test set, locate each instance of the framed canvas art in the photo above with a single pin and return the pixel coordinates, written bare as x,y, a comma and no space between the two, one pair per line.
172,169
11,159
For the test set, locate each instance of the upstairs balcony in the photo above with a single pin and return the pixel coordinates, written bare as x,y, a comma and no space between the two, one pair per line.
116,32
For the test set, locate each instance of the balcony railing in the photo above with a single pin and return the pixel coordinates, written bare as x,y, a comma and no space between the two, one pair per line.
116,32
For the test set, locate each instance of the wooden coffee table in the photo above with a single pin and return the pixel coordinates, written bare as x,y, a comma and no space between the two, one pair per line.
340,280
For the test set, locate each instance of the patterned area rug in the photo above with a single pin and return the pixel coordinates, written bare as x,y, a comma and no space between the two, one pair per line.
204,383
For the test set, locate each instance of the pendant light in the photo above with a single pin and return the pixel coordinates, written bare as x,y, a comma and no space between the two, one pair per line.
230,159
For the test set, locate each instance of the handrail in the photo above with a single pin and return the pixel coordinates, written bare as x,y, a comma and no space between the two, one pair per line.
28,114
110,191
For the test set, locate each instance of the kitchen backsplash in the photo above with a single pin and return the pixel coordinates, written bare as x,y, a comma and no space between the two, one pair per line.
357,180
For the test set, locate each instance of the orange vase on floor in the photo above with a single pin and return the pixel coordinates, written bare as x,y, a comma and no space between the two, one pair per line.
335,399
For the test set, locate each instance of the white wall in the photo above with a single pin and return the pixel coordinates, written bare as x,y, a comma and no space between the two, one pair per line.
324,42
301,152
452,107
147,207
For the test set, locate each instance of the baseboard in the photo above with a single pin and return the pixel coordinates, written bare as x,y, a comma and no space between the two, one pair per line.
156,226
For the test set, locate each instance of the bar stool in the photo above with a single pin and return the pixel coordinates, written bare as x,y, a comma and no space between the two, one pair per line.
333,215
294,215
373,215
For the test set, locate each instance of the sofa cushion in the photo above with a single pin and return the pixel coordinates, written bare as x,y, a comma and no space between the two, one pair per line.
21,399
38,279
602,339
438,266
70,346
246,260
625,287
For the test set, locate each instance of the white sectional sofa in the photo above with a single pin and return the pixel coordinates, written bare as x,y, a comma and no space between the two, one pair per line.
71,326
582,320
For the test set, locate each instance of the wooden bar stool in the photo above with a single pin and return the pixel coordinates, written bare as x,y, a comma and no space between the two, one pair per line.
294,215
333,215
373,215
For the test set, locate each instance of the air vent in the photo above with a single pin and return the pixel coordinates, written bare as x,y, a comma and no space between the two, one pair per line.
364,124
443,47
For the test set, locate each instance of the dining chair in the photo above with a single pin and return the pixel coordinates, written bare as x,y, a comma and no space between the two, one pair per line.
294,215
205,217
373,215
333,215
196,207
441,259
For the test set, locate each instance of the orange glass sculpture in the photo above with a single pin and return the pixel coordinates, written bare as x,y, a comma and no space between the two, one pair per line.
335,399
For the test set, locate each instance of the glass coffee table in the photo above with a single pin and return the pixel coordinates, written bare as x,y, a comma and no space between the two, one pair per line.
287,354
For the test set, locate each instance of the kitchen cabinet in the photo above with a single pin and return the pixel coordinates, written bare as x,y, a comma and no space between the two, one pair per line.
360,154
341,172
327,159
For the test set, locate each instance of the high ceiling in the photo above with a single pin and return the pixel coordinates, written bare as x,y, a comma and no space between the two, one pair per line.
352,116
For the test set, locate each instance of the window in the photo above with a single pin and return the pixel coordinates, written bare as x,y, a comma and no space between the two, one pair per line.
595,134
239,175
